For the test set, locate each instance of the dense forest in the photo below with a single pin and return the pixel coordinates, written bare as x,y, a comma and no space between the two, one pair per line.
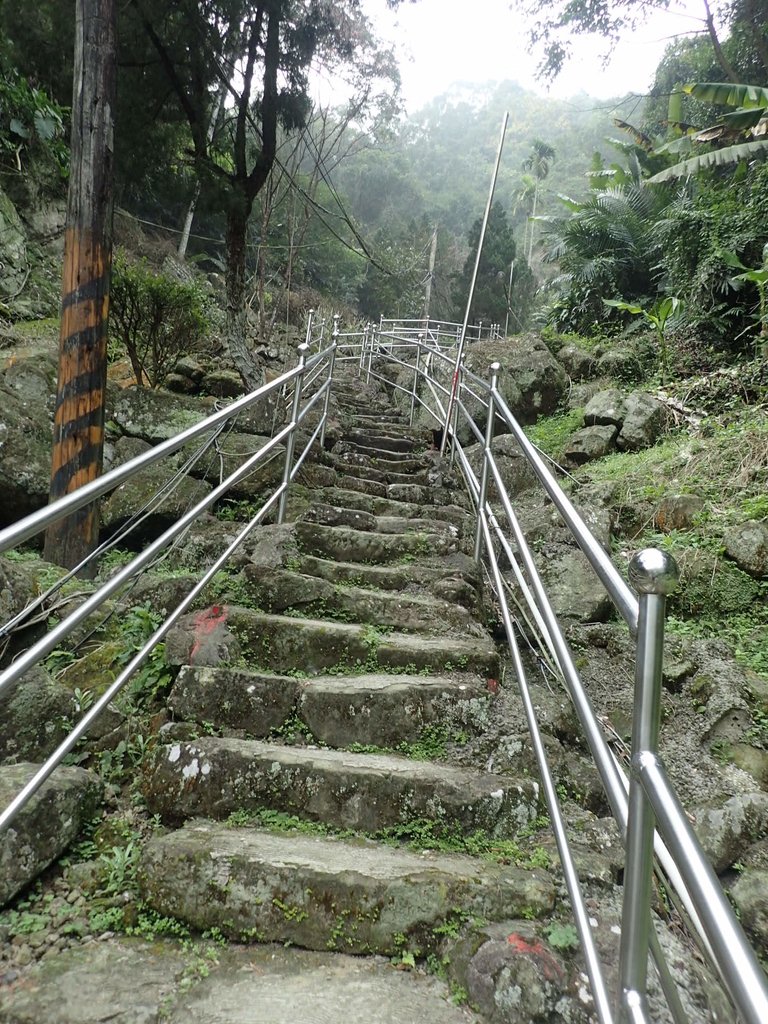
657,205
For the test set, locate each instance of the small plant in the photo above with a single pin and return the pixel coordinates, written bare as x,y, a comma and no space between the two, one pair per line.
661,315
562,936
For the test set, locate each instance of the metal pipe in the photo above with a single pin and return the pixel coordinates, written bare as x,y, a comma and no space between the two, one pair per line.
308,334
654,575
331,366
609,575
737,963
291,439
462,338
481,503
27,527
415,379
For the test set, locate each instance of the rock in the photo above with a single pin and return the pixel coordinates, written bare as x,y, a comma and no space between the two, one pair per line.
531,380
752,760
645,421
223,384
590,443
35,716
747,545
13,249
515,977
750,894
580,394
574,590
203,639
725,832
621,363
189,367
180,384
25,455
708,582
516,472
46,826
605,409
231,450
677,512
233,698
579,364
17,588
153,416
135,495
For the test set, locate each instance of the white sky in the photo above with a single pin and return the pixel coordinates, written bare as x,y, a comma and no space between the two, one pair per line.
444,41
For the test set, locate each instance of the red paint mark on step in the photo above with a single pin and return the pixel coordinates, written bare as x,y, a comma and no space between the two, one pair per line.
493,685
205,623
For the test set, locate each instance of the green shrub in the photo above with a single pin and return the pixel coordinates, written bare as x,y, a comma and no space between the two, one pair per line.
153,318
29,121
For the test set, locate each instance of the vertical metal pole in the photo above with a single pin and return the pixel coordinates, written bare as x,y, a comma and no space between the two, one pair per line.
371,343
494,368
331,365
290,442
462,339
419,343
654,575
509,298
363,343
308,335
322,333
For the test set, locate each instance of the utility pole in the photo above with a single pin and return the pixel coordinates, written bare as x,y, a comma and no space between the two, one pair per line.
78,430
430,275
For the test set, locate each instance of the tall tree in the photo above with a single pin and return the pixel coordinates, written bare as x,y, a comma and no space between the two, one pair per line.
490,300
78,441
276,42
537,163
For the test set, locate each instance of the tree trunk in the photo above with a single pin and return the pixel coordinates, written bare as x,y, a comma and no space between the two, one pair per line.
78,433
237,318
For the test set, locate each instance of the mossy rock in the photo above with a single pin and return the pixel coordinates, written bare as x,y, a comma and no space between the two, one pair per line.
711,585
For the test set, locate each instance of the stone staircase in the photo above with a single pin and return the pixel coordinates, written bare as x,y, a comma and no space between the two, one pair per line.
291,775
367,633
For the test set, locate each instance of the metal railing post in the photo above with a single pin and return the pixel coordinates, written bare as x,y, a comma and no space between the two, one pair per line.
363,344
483,495
371,343
308,335
331,365
419,343
290,441
654,575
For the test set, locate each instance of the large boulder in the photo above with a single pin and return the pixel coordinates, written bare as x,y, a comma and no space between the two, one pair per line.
579,364
153,416
13,249
607,408
645,421
135,496
35,716
515,470
25,455
747,545
44,828
590,443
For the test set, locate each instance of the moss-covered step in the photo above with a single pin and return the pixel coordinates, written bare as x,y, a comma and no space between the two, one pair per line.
233,698
133,981
281,643
281,591
385,711
323,894
380,457
379,506
389,441
348,545
352,467
213,777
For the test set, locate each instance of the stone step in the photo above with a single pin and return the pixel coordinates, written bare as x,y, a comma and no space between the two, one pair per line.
399,461
334,515
323,894
390,507
378,455
454,579
349,545
283,591
387,442
211,777
131,981
284,644
382,710
372,710
363,484
350,465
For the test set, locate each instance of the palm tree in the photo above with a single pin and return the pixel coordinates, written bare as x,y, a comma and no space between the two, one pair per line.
537,163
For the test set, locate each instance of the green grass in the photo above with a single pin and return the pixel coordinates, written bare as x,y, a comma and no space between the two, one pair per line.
551,433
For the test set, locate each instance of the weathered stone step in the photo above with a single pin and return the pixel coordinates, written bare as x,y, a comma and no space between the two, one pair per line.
212,776
382,710
364,485
399,461
284,644
382,506
350,465
356,519
379,454
348,545
373,710
325,894
282,591
386,442
131,981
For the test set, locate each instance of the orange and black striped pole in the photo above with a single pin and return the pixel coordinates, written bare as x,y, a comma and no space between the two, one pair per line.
78,432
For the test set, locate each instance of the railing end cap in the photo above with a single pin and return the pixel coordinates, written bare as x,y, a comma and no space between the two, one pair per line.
652,571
